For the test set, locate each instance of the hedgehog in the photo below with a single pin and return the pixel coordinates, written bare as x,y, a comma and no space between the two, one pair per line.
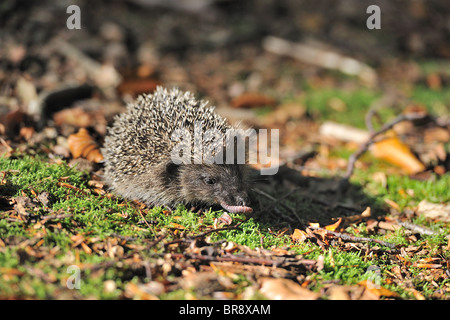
139,153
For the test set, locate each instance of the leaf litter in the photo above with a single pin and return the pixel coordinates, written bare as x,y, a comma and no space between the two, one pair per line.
312,236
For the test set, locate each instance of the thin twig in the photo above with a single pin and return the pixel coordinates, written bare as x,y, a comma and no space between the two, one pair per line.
66,185
312,235
277,262
416,228
156,241
55,216
349,237
140,212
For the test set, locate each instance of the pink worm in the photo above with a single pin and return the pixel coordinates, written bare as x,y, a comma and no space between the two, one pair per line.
236,209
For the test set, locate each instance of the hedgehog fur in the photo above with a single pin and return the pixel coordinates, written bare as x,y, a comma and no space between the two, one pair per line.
138,162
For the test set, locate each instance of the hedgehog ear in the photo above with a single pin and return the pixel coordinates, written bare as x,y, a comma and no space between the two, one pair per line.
172,169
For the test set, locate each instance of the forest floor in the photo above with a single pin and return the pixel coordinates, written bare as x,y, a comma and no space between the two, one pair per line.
321,228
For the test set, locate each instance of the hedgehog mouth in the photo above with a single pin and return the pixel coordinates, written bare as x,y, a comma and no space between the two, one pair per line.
236,209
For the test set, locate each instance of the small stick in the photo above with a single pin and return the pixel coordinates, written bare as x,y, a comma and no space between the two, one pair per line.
145,220
240,259
156,241
63,184
348,237
55,216
416,228
312,235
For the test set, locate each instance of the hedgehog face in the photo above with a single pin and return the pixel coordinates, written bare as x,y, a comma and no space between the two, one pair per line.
215,184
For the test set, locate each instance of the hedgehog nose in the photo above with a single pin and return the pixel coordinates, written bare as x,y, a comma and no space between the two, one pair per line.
243,200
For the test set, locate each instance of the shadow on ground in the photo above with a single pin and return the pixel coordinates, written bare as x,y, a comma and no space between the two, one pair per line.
291,199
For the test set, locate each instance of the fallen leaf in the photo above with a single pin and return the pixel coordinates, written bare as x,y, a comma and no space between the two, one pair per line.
13,122
73,116
137,86
354,292
13,271
26,90
438,211
225,219
137,291
338,293
81,144
392,204
176,226
299,235
285,112
343,132
377,289
427,265
429,259
26,132
416,294
396,152
366,213
434,81
86,248
285,289
392,226
279,251
315,225
252,100
380,177
333,226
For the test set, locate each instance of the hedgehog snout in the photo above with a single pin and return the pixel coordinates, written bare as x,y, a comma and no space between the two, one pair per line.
242,199
234,197
237,202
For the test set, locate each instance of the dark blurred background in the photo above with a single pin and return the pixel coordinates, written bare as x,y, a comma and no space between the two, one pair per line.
214,47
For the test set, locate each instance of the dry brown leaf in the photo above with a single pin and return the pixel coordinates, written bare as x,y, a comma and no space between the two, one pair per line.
137,86
86,248
226,219
377,289
434,81
285,289
392,204
396,152
391,226
299,235
439,211
138,292
366,213
81,144
74,116
176,226
427,265
13,121
338,293
346,292
285,112
333,226
26,132
11,271
314,224
252,100
416,294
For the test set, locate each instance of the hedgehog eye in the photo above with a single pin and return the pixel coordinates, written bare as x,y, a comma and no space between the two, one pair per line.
210,180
